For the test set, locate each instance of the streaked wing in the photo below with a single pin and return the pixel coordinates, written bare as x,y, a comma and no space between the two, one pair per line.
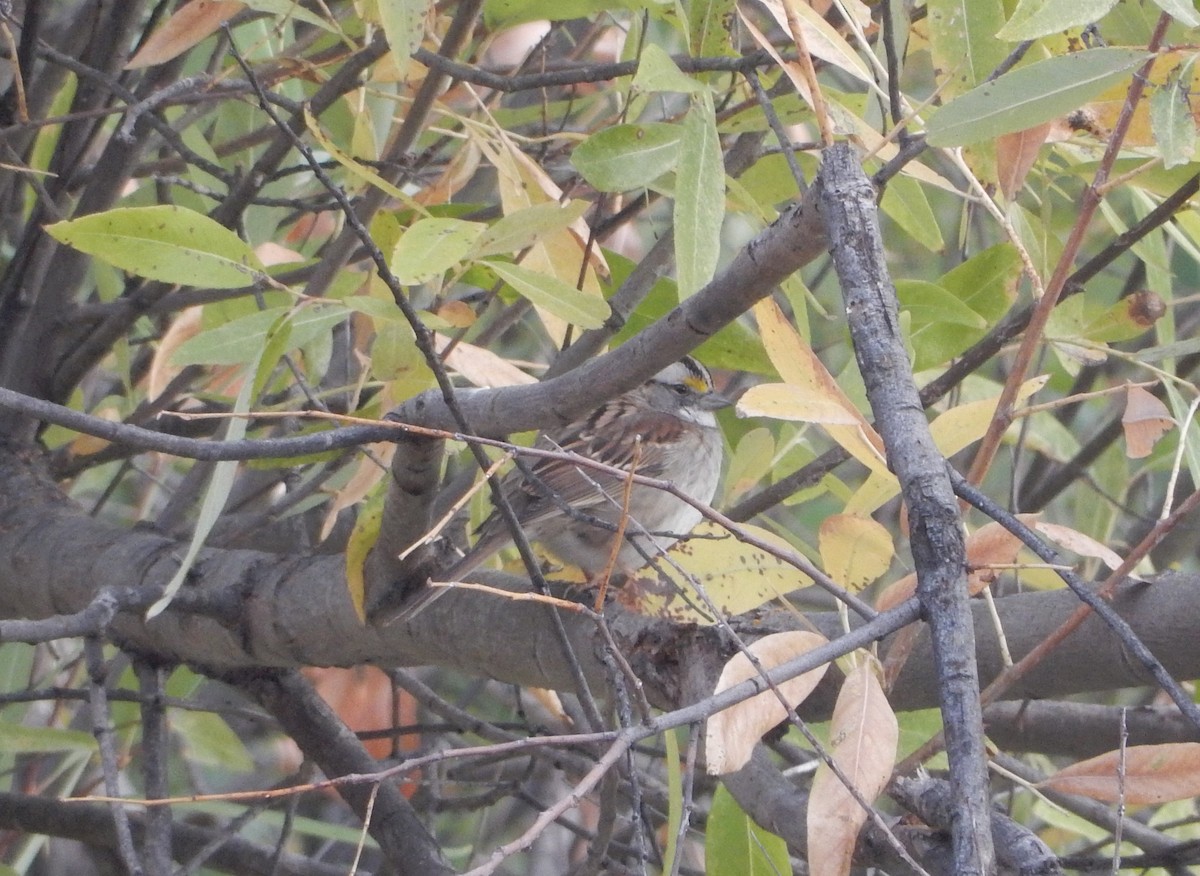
595,439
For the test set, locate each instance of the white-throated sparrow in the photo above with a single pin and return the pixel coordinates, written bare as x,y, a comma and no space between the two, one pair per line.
663,429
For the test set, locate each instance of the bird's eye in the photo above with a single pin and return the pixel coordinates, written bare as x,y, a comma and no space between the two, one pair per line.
680,388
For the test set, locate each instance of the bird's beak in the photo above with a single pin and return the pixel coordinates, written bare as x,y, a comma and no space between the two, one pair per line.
714,401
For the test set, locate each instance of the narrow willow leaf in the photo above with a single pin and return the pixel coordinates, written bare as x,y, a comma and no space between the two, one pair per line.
191,23
167,243
855,550
526,226
1181,10
19,739
1171,119
657,71
1037,18
564,301
1031,95
626,157
674,797
963,41
215,497
1152,774
699,197
708,27
736,577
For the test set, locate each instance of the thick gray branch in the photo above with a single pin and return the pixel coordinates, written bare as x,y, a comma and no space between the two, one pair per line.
937,541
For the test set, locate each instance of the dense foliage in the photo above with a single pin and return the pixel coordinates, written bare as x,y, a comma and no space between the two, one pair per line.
284,285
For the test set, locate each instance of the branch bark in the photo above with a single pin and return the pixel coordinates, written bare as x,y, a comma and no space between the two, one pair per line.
937,540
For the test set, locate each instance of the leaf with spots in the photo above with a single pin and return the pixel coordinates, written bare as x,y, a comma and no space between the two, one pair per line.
167,243
735,577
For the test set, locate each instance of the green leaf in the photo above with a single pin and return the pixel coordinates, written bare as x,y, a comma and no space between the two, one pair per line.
736,846
1037,18
19,739
905,202
403,24
522,229
290,9
963,41
657,71
1031,95
564,301
234,343
215,497
708,27
430,247
1181,10
166,243
674,797
987,281
699,198
1171,117
206,739
362,538
243,340
941,326
627,157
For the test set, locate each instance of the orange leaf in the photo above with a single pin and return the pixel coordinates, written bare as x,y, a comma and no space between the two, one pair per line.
1016,154
191,23
1146,419
1153,774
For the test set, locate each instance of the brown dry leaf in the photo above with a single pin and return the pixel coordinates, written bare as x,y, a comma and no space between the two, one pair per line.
855,550
863,737
1146,419
191,23
459,314
482,367
1016,154
731,735
894,594
185,325
990,545
1077,542
1154,774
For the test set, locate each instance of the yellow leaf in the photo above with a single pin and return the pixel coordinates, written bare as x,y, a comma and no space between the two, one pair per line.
854,550
362,539
736,577
731,735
